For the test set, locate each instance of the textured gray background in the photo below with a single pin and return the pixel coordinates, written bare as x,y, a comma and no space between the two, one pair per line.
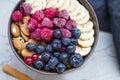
102,65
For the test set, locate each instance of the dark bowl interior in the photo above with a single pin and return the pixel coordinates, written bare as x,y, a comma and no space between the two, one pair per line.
96,28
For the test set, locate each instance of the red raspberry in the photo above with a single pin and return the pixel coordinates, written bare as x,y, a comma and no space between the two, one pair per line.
70,25
36,34
32,24
17,16
38,15
63,14
66,33
39,26
51,12
46,34
25,8
47,23
59,22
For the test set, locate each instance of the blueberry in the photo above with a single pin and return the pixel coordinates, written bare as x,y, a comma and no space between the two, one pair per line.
45,56
38,64
56,54
31,47
74,41
66,41
57,33
47,68
56,44
63,57
49,48
60,68
53,62
76,60
71,49
76,33
40,49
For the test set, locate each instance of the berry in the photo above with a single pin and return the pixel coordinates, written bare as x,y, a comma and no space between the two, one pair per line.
63,57
40,49
53,62
28,61
17,16
36,34
49,48
71,49
66,41
32,24
51,12
57,33
63,14
46,34
74,41
25,8
47,23
47,68
76,60
76,33
39,26
59,22
56,54
38,15
38,64
60,68
56,44
35,57
45,57
31,47
66,33
63,48
70,24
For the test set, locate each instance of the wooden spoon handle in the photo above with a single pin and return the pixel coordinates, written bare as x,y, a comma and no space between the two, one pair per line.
15,73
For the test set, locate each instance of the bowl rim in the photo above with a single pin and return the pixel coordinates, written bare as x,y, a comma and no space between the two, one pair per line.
87,5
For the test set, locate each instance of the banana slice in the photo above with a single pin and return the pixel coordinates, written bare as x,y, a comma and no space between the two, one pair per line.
86,27
86,43
72,6
83,51
29,1
88,35
66,5
59,4
51,3
43,4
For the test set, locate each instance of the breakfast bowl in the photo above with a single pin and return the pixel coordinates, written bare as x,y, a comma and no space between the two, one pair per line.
53,37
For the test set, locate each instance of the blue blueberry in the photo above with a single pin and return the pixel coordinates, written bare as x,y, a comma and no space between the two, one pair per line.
64,57
76,33
53,62
49,48
66,41
74,41
56,44
71,49
57,33
56,54
45,57
76,60
38,64
40,49
60,68
31,47
47,68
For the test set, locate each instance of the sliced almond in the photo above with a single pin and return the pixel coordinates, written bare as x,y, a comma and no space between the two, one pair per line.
44,43
15,30
26,53
26,38
34,41
24,29
24,45
26,19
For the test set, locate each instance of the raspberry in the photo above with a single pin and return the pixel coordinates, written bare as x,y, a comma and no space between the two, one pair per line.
70,25
47,23
63,14
39,26
38,15
59,22
17,16
36,34
32,23
46,34
25,8
65,33
51,12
